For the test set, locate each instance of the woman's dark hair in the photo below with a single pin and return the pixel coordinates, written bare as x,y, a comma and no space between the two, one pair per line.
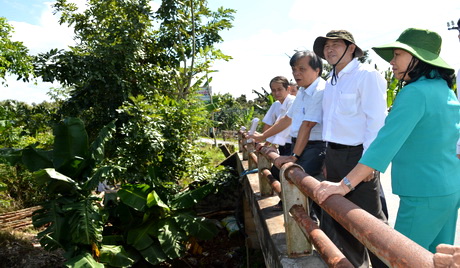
280,79
315,61
425,69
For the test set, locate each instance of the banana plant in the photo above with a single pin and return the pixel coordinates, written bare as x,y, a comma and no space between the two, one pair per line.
69,172
158,224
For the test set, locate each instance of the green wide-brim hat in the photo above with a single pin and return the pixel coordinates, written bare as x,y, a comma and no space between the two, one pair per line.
425,45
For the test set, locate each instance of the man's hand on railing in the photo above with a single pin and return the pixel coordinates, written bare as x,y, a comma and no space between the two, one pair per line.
280,161
257,137
447,256
327,188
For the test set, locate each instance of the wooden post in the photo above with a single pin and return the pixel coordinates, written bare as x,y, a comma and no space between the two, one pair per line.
297,244
264,185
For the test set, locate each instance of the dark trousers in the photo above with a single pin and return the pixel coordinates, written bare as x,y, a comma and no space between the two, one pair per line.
311,159
339,162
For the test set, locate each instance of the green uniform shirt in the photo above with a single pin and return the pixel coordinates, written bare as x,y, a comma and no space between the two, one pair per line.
419,138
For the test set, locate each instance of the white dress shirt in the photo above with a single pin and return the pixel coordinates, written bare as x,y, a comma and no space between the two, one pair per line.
276,111
308,107
355,108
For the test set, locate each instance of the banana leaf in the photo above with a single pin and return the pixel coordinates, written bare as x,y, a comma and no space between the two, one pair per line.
154,200
148,246
135,195
198,227
84,260
11,156
188,199
115,256
56,182
171,237
70,141
51,215
36,159
98,146
84,222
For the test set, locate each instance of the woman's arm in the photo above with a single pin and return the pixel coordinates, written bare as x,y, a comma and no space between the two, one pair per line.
355,177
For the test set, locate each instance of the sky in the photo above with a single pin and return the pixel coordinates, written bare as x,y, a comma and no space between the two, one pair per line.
265,34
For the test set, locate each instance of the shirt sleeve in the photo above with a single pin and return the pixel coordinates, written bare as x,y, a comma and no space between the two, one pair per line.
314,110
374,105
407,111
270,117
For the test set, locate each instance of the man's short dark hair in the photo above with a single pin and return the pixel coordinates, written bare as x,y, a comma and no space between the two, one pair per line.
315,61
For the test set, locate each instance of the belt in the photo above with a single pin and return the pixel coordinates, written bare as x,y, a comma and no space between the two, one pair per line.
309,142
337,146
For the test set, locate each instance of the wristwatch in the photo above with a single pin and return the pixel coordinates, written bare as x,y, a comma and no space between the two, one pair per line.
348,184
296,156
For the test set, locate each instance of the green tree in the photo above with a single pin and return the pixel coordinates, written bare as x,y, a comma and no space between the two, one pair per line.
22,125
125,49
14,58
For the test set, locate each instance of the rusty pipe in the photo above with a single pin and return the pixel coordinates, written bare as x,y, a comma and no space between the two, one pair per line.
326,248
276,185
389,245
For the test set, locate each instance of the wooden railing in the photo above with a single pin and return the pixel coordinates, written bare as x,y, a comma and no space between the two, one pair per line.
393,248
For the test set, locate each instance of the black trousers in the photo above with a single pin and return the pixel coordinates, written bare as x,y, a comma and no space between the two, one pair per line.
311,159
339,162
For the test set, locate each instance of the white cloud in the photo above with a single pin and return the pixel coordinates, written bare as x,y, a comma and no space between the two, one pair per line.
48,34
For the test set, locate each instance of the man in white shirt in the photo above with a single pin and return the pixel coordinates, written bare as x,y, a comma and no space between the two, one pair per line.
304,116
279,86
354,110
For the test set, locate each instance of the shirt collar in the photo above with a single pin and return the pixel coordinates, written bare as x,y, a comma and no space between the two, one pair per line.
311,88
348,68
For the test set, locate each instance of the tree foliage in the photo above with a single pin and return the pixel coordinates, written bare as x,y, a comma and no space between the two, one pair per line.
14,58
126,49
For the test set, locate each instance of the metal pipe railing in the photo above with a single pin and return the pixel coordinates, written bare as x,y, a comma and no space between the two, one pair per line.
389,245
326,248
297,244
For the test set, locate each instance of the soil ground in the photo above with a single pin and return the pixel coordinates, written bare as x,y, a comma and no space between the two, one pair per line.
17,251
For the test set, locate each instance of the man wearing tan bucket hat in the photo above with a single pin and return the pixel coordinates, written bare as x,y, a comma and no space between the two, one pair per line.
354,109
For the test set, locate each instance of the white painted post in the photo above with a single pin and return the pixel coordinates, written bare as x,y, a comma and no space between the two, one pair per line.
296,241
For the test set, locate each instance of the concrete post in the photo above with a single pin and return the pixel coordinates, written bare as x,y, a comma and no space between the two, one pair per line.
264,184
240,141
245,148
296,241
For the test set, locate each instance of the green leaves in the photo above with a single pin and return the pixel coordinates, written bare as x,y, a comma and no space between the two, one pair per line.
196,226
84,260
165,225
115,256
134,195
85,224
56,182
189,198
147,245
70,143
14,56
